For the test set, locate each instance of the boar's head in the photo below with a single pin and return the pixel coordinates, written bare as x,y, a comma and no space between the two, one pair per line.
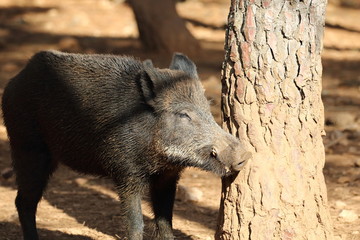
186,132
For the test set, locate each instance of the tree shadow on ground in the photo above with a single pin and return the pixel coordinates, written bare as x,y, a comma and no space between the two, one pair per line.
12,231
91,207
19,33
346,72
336,100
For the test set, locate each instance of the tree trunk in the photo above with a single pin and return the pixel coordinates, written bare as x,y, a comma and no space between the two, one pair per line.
271,100
161,29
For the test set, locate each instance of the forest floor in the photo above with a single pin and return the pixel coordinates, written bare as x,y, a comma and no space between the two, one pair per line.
82,207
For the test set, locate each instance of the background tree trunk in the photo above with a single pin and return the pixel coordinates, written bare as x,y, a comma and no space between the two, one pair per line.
161,29
272,101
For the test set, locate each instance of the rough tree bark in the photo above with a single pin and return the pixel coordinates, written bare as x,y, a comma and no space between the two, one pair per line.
271,100
161,29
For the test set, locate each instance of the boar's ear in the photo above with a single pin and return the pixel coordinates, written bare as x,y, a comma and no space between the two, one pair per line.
183,63
150,81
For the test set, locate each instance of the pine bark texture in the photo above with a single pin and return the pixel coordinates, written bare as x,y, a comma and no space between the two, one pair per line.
161,29
271,100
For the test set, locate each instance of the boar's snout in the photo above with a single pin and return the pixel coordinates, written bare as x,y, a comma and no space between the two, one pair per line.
231,154
240,162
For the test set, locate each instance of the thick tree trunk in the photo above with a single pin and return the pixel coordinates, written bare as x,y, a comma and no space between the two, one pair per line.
272,101
161,29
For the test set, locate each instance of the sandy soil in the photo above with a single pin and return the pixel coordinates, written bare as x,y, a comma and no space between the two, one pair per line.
82,207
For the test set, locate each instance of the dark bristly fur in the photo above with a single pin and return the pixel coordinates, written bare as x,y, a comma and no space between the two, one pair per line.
116,117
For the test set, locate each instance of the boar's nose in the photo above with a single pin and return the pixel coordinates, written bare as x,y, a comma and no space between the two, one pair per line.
231,152
241,161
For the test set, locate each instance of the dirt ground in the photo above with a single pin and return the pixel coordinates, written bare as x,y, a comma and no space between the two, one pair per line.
83,207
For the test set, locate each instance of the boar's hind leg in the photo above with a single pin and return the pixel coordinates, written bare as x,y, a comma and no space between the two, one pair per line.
162,190
33,167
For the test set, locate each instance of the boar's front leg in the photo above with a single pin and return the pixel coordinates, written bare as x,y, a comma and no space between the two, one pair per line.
162,191
131,206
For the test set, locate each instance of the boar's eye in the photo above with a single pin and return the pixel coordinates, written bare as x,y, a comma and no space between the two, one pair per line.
184,115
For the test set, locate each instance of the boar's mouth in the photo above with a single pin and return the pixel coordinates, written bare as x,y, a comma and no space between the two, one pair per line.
208,158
